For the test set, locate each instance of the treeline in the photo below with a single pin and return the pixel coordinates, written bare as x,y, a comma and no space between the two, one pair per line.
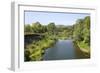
81,32
59,31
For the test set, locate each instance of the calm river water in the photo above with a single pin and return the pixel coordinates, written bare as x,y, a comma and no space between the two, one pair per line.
63,49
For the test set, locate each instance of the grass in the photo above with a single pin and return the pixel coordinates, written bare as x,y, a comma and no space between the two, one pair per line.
84,47
37,48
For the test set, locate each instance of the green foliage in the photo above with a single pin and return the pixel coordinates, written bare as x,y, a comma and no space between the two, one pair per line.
51,28
36,27
35,50
79,32
27,28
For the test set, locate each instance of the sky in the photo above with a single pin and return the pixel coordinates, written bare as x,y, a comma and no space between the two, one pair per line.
47,17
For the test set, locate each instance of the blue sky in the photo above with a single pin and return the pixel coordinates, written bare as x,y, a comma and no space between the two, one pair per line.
47,17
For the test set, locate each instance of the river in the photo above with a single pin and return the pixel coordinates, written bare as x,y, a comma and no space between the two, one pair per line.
63,49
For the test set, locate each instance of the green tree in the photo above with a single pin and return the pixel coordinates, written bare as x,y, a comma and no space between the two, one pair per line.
27,28
36,27
78,28
51,28
81,31
86,30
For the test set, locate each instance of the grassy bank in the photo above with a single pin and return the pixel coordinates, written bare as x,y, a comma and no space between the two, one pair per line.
81,50
35,50
84,47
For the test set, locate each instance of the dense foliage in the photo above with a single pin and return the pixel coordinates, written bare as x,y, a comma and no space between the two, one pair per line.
79,32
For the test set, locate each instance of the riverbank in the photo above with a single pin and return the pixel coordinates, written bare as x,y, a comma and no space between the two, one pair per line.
84,51
35,50
84,47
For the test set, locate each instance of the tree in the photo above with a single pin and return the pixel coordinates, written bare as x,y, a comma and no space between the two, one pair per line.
86,31
51,28
27,28
78,30
81,31
36,27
